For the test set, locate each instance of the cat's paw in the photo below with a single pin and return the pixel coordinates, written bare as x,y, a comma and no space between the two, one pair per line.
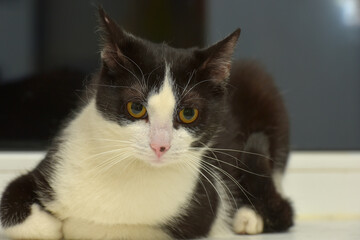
247,221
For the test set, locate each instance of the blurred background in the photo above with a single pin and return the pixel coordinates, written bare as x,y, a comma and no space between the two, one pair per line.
312,49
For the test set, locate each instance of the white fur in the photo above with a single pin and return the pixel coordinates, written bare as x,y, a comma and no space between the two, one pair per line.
131,191
277,178
221,226
247,221
162,104
39,225
81,229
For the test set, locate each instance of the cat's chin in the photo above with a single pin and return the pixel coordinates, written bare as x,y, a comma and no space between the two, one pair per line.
157,163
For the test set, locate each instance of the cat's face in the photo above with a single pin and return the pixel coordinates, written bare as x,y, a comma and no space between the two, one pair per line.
167,102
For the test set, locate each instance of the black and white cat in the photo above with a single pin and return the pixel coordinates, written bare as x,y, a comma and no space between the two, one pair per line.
170,145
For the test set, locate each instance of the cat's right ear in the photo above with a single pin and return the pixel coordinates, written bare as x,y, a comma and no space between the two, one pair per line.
217,58
113,37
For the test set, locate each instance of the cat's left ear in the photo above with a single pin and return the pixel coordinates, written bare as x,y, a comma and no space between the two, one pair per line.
218,57
114,38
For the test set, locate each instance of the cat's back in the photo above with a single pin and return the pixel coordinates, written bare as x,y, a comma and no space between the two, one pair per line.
257,105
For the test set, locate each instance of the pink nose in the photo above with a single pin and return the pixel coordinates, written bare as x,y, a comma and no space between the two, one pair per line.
160,149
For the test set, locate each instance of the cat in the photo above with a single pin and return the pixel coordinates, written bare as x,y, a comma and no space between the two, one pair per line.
169,144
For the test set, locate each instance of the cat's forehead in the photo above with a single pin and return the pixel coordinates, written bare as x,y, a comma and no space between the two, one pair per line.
162,103
161,64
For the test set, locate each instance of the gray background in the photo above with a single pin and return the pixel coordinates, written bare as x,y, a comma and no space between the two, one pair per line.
312,48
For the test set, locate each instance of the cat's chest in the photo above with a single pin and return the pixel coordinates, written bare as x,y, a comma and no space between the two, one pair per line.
123,195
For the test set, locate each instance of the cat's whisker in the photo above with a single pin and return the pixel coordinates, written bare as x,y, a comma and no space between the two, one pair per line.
147,80
96,149
127,165
233,157
106,152
122,66
188,82
199,171
219,150
212,173
187,92
227,163
116,86
111,140
138,67
242,151
111,161
209,149
242,189
203,186
231,178
237,167
115,162
221,182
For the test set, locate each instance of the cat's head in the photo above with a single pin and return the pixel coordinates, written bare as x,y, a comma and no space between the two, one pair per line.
167,103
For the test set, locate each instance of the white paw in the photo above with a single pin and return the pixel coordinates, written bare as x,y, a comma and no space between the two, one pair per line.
247,221
39,225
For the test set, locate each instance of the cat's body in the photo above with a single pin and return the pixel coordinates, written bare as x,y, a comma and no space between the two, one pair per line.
191,156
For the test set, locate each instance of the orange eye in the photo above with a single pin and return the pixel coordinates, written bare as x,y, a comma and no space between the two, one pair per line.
188,115
136,110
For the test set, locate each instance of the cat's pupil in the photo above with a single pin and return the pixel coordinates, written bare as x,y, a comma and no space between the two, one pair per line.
136,108
189,113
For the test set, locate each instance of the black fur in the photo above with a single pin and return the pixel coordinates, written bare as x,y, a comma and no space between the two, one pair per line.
17,200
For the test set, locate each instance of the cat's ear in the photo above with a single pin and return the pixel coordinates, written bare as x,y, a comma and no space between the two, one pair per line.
113,38
217,58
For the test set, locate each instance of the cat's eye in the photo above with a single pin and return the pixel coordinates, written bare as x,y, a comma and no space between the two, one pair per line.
136,110
188,115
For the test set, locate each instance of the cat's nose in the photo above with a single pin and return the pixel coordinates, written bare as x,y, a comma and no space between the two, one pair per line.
160,149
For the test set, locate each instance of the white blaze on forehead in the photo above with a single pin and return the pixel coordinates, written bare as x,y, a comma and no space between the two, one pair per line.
161,105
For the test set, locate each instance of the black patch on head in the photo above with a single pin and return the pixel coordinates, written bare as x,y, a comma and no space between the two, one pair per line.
133,68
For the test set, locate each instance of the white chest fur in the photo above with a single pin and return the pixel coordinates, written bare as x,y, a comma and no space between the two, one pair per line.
131,192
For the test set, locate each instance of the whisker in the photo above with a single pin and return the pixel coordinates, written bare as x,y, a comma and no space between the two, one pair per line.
224,185
203,186
127,70
116,86
242,151
237,167
216,190
109,163
208,80
114,163
147,80
231,178
188,82
242,189
128,58
106,152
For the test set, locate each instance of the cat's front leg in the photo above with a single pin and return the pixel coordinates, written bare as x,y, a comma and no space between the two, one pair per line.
22,217
264,208
272,215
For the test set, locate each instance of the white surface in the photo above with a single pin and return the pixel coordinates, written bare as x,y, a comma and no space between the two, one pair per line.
308,230
323,185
